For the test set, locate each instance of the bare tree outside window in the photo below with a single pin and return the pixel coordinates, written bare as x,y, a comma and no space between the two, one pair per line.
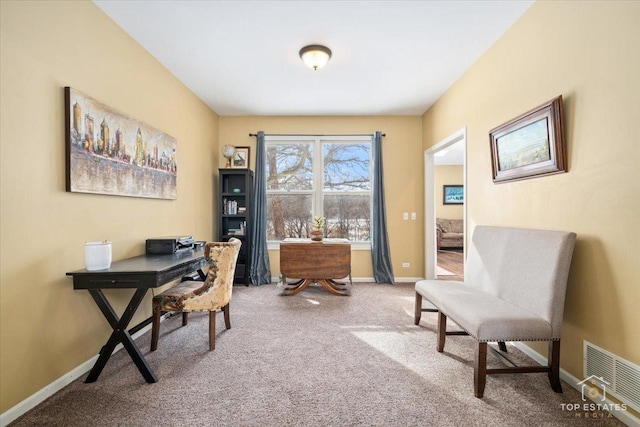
318,177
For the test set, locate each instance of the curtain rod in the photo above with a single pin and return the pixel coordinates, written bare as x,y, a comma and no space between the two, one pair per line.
312,134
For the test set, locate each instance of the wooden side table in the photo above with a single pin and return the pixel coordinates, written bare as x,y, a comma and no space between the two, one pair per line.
315,262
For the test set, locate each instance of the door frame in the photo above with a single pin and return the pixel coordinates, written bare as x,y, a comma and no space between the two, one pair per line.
430,249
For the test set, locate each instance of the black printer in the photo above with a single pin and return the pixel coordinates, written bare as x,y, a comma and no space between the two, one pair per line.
171,245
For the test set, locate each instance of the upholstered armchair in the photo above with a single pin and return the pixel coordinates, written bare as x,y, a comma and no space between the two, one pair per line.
211,295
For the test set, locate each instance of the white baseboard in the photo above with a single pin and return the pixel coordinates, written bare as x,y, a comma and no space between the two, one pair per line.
49,390
625,416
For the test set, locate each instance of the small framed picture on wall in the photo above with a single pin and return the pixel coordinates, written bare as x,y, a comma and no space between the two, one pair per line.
453,195
240,159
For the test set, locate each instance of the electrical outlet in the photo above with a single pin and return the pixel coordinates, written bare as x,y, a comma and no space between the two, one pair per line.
405,216
413,216
405,265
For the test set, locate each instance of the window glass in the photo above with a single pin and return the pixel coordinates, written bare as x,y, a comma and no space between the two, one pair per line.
318,176
348,216
346,167
289,166
288,215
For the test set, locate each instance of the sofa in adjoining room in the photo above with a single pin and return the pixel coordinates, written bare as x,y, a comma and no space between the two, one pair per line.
449,233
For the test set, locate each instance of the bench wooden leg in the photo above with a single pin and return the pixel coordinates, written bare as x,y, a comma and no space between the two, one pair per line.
442,331
212,330
418,309
553,361
480,369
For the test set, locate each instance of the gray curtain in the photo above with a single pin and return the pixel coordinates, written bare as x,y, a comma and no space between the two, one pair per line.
381,257
259,270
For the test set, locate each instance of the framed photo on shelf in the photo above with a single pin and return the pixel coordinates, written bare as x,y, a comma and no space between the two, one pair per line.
530,145
240,159
453,195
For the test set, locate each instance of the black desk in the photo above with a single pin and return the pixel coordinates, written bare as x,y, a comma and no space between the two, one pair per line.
140,273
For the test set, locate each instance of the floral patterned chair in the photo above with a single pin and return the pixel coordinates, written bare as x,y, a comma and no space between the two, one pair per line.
211,295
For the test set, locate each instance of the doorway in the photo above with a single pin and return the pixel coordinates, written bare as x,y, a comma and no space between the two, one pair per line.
454,146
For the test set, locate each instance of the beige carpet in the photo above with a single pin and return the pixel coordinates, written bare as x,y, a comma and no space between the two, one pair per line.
313,359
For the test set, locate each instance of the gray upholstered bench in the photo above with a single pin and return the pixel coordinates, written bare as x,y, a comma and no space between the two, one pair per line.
514,290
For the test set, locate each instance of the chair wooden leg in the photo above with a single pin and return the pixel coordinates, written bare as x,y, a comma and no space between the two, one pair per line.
480,369
212,330
418,309
442,331
185,318
227,319
155,328
553,361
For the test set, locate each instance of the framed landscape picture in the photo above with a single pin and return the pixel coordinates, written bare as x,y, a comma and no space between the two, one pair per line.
240,159
530,145
453,195
110,153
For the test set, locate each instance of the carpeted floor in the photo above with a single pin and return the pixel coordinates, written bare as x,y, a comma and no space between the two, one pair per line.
313,359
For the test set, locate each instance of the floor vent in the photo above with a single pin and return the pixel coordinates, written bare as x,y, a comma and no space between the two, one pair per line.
621,377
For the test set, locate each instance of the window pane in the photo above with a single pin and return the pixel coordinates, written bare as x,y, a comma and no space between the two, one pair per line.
289,166
288,215
348,216
346,167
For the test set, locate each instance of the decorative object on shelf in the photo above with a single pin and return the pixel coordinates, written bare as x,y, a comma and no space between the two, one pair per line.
237,190
110,153
228,151
453,195
315,56
240,158
97,255
318,226
530,145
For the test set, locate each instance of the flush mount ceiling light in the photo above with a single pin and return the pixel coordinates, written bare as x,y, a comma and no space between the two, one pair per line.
315,56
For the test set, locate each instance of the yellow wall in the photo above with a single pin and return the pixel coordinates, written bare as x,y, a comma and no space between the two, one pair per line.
447,175
402,161
588,52
47,328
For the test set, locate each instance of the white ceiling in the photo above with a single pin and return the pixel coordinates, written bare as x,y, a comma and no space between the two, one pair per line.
453,155
389,57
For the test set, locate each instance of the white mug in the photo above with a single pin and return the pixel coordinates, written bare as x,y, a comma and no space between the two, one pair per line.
97,255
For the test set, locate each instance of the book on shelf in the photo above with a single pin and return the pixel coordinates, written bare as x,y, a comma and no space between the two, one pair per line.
230,207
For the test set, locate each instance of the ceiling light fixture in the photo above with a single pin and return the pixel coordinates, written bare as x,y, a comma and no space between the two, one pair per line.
315,56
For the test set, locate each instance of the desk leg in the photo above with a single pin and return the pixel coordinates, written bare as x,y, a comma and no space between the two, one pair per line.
120,334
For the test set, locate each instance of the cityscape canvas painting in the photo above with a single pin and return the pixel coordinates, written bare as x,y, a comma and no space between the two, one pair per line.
110,153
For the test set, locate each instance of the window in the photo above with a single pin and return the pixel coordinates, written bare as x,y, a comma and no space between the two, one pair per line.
319,176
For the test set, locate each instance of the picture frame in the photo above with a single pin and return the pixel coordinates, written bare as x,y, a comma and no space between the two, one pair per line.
530,145
241,159
110,153
452,195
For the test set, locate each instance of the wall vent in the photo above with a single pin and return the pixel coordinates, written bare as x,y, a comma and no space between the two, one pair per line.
622,376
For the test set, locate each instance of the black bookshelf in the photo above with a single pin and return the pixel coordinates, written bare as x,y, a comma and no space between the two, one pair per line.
235,219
